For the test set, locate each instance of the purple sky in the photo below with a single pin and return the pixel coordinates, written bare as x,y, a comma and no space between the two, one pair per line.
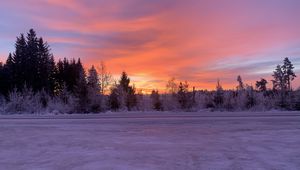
194,40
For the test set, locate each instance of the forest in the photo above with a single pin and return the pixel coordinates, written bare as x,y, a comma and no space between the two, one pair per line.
31,81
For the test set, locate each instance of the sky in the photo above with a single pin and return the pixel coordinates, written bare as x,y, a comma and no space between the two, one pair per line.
199,41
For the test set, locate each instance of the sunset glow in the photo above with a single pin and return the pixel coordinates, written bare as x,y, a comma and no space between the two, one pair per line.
198,41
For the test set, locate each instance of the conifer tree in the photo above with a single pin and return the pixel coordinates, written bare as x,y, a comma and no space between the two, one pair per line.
131,99
124,81
241,84
46,67
219,96
93,89
33,78
279,80
283,76
250,98
127,92
262,85
289,74
6,76
114,98
80,89
32,63
183,96
20,62
156,101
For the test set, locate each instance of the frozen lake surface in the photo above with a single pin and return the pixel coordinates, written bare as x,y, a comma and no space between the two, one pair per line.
165,141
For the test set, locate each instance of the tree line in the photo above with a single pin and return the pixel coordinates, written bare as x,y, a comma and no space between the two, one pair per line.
31,81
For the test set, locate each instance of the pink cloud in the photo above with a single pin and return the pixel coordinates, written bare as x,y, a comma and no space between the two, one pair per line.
161,39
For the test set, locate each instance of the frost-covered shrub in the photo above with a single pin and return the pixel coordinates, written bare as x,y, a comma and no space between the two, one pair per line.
229,102
94,103
144,102
264,102
240,100
57,105
170,102
65,102
297,100
24,102
2,104
204,100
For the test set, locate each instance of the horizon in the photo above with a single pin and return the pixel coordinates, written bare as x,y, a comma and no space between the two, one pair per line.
194,41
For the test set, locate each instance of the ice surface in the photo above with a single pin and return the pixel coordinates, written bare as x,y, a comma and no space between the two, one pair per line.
166,141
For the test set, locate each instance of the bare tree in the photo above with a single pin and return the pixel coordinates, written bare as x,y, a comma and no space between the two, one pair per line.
172,86
105,77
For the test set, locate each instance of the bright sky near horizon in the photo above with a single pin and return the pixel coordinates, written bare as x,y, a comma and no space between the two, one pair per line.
199,41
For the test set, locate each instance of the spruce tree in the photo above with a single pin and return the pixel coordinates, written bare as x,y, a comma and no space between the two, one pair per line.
114,98
32,63
127,92
183,96
156,101
7,76
131,99
46,67
32,74
218,96
93,89
124,81
2,80
93,79
250,97
80,89
241,84
20,63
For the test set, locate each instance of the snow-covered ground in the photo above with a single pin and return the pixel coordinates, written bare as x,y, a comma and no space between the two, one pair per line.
166,141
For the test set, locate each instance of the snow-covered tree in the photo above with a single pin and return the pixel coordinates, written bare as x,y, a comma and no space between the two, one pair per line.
218,96
81,91
114,101
131,100
229,102
297,99
105,77
93,90
184,97
156,101
172,86
241,84
250,97
25,101
64,102
126,92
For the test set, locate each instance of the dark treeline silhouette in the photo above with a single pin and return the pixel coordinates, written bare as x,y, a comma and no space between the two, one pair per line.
31,81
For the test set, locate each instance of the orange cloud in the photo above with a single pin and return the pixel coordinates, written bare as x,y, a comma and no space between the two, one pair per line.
197,41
